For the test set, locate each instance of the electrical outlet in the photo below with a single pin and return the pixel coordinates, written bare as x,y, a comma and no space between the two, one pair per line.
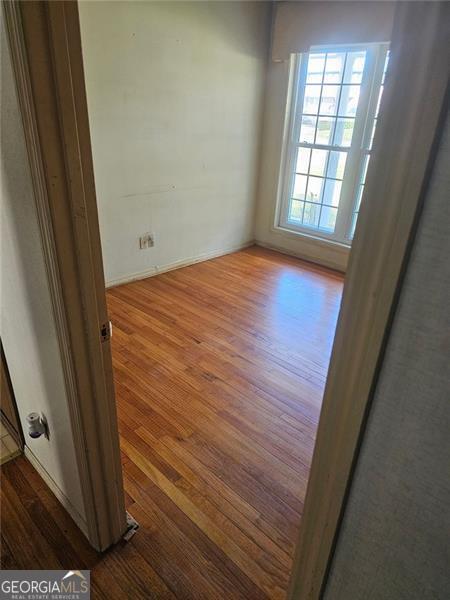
146,240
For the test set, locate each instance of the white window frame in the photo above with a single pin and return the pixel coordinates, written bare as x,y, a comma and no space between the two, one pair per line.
360,145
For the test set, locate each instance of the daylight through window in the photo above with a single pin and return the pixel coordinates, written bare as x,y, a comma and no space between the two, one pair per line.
335,111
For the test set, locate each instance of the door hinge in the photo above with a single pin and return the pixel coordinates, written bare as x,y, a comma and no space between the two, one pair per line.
106,331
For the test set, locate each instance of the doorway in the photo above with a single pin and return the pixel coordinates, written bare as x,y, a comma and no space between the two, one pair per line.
220,346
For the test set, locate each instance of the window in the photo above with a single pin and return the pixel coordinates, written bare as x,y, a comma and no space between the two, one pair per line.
336,100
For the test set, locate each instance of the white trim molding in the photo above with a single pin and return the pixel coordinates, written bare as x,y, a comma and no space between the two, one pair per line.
46,56
177,264
333,256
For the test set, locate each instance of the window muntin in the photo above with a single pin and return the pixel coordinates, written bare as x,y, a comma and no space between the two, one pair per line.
332,106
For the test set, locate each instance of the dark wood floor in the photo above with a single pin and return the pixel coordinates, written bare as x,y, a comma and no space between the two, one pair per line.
219,371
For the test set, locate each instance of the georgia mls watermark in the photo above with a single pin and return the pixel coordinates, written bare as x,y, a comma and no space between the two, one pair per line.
45,585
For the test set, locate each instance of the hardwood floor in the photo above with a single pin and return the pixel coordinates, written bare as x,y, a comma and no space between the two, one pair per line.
219,371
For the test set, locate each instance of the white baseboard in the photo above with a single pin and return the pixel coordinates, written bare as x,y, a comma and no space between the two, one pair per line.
156,270
62,498
335,266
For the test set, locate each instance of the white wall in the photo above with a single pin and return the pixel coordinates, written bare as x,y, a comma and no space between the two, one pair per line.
27,325
175,95
271,175
394,542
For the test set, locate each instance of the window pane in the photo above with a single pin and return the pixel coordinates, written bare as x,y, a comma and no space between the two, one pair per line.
315,186
364,168
334,67
349,100
372,135
328,219
318,162
358,197
379,101
299,187
296,210
352,228
336,164
311,100
325,128
344,132
308,129
386,64
311,214
330,98
332,192
354,67
303,155
316,63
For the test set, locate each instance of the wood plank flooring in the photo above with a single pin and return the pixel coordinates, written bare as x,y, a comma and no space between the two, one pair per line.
219,371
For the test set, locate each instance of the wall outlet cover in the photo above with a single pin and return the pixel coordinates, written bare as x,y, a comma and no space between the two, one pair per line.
146,240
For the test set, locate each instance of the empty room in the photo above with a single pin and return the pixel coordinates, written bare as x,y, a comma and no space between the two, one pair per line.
221,335
222,201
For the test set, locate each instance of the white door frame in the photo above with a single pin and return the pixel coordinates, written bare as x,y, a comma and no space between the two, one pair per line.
47,60
408,130
46,55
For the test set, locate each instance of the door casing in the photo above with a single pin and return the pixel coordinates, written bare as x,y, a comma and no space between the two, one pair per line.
46,55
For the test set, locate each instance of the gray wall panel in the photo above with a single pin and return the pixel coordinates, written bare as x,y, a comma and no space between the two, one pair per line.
395,538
